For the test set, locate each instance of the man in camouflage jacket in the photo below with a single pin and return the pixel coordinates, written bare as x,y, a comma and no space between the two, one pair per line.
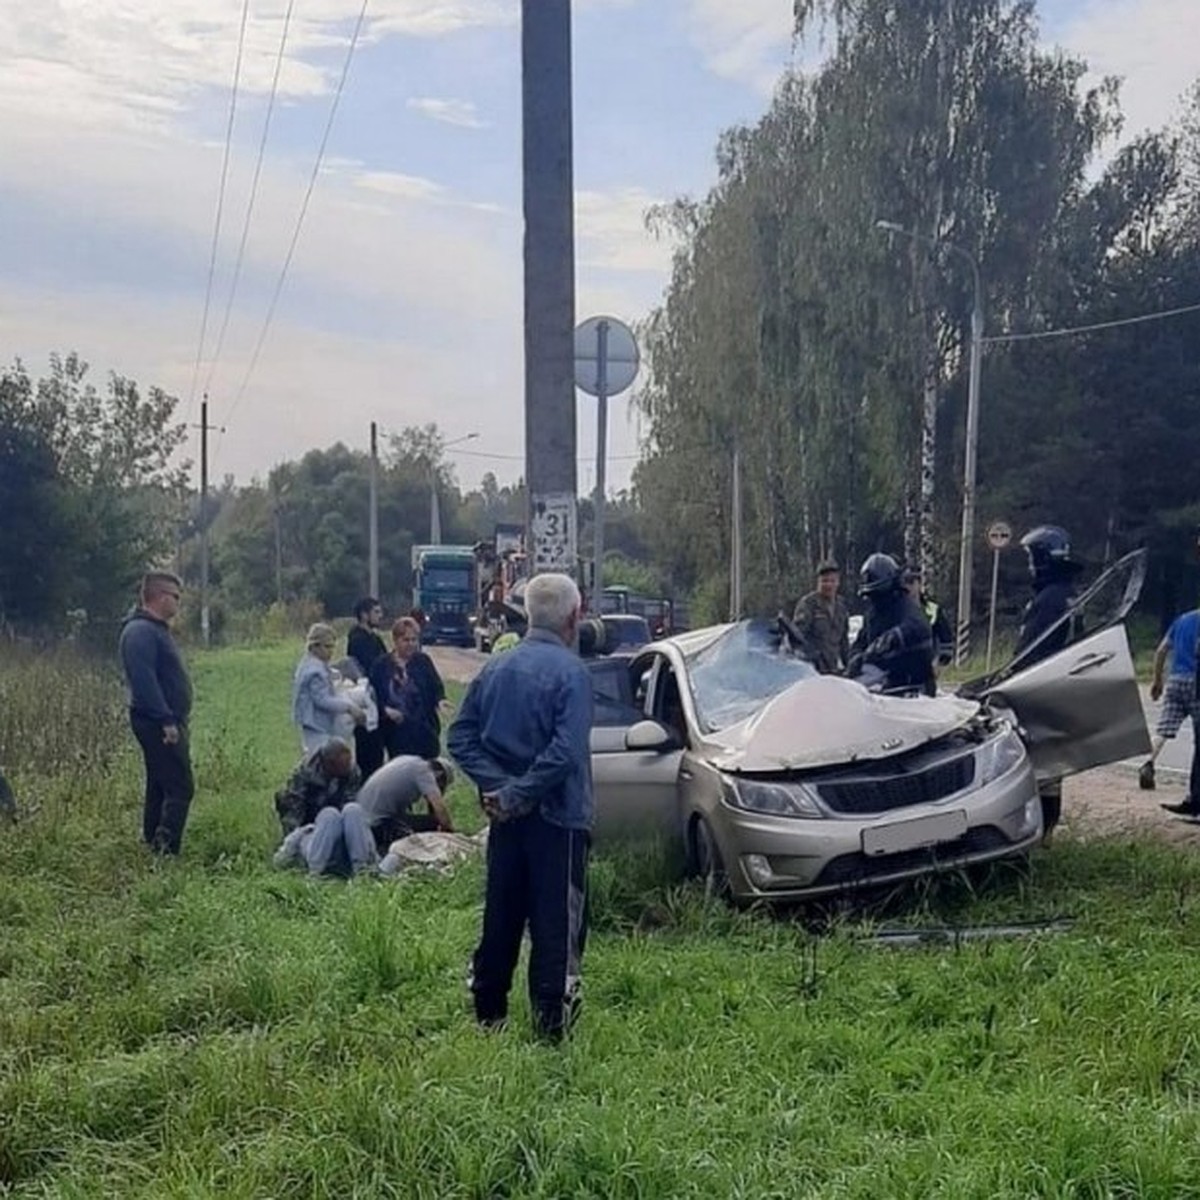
823,622
326,778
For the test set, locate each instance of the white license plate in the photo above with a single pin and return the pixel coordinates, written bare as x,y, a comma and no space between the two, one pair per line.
911,835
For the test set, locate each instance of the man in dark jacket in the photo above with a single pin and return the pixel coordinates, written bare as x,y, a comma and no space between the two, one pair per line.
160,703
1053,570
366,647
895,637
522,737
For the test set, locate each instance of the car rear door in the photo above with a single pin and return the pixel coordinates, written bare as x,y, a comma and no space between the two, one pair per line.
1081,707
636,791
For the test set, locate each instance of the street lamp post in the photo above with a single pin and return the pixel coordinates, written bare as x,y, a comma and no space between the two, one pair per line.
435,512
962,640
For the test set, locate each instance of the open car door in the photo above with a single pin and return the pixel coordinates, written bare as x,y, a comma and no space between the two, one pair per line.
1080,707
636,789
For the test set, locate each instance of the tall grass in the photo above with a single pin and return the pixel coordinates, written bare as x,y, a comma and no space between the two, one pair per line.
63,722
214,1028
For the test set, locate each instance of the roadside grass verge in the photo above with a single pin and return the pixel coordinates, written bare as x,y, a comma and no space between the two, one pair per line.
215,1028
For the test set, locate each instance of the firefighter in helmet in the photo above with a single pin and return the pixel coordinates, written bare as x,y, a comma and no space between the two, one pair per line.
895,637
1053,570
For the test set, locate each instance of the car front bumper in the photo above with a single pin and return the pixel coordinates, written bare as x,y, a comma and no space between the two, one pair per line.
785,858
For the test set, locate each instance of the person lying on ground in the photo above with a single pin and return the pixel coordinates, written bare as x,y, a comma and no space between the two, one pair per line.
387,798
338,843
326,778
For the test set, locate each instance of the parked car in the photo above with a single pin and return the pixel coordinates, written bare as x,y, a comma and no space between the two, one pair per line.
783,784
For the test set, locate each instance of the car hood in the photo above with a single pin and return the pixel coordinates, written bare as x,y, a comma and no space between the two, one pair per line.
827,722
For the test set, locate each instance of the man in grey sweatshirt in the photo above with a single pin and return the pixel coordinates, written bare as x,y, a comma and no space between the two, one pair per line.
160,703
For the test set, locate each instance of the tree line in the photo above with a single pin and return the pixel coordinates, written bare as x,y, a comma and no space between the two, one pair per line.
834,353
831,352
94,491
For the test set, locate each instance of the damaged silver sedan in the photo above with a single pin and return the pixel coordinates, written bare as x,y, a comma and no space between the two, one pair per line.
783,784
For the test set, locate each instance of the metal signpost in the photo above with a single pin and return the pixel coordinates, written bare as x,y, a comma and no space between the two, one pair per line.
606,363
999,537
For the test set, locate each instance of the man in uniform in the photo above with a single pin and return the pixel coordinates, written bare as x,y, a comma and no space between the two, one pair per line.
1053,571
823,622
895,638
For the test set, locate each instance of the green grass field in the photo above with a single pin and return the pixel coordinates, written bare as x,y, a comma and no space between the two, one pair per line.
215,1028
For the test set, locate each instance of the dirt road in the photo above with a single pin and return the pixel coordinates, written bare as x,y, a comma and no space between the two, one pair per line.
1102,803
456,663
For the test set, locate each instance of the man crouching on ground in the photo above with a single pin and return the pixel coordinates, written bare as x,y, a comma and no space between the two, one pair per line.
522,738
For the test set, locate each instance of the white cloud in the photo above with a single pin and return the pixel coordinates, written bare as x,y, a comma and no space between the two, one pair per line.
1153,44
137,61
405,187
745,40
610,228
450,112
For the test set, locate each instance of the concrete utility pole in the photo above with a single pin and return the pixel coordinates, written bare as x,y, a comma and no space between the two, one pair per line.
373,519
205,627
550,445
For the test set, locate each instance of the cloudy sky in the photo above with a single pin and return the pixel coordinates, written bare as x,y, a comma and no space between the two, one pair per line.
403,300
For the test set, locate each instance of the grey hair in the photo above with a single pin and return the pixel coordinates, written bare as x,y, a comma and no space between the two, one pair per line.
551,600
334,747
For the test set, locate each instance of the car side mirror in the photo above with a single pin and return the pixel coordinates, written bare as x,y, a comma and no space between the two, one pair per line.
649,735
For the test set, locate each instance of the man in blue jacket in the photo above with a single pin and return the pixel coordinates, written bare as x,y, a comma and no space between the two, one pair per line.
160,703
522,737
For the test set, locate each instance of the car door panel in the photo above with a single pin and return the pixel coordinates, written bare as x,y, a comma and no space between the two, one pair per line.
1079,708
636,791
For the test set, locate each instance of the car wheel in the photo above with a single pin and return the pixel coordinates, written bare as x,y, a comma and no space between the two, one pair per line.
706,859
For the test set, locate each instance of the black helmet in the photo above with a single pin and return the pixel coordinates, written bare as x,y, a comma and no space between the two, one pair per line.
1049,550
880,573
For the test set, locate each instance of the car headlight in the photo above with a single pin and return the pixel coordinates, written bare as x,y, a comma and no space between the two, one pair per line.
771,799
998,756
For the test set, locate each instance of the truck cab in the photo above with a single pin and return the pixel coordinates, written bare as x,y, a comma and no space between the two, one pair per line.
444,586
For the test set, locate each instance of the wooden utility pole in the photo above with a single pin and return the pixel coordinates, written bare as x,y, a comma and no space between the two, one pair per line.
373,571
550,445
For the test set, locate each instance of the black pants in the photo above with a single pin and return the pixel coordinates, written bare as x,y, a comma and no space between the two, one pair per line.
395,828
368,750
536,875
169,785
1193,796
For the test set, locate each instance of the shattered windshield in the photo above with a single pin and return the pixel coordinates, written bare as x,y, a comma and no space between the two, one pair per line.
733,677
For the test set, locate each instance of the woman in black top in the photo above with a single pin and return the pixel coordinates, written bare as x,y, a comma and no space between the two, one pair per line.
410,695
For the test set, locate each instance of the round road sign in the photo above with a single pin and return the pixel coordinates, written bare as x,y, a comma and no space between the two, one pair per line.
999,535
621,358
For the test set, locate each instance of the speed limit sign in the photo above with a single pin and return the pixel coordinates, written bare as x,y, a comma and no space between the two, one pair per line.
999,535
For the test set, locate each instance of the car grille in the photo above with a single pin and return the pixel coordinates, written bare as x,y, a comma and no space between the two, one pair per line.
891,791
849,869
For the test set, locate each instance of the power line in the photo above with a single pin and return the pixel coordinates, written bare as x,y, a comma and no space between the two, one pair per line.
1057,333
216,237
262,149
312,183
583,458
